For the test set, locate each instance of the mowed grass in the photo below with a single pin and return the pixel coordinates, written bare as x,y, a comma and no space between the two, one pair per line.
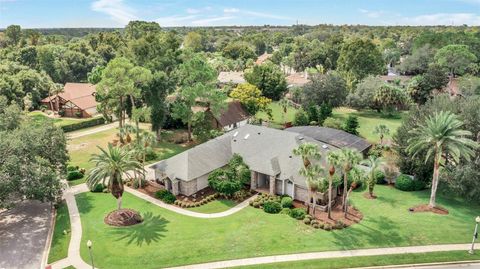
368,119
366,261
82,148
40,117
60,241
171,239
215,206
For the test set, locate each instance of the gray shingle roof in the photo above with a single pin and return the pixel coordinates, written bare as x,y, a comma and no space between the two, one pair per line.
337,138
264,150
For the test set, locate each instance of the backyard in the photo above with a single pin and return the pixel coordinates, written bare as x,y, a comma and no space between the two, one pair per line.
367,119
41,117
170,239
82,148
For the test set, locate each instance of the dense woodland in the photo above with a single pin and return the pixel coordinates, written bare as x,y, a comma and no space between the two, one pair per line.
136,68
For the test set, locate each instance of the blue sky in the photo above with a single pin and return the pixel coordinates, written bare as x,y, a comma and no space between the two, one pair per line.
117,13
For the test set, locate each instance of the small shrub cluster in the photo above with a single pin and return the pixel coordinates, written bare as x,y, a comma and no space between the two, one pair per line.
137,181
298,213
241,195
380,177
83,124
272,207
263,198
98,188
287,202
188,204
75,172
166,196
406,183
309,220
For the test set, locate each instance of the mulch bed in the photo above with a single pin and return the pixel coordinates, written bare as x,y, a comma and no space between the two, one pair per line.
368,196
196,196
426,208
353,216
123,217
150,189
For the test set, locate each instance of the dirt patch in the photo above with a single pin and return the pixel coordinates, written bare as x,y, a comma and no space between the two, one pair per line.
353,216
123,217
368,196
150,189
426,208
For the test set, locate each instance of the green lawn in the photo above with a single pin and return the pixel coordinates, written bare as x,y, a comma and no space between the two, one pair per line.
170,239
39,116
60,241
367,261
215,206
82,148
368,119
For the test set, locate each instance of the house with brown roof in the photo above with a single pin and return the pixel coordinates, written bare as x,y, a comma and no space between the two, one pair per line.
76,100
231,117
263,58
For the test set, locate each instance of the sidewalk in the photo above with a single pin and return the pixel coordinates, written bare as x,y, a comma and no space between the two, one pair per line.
80,133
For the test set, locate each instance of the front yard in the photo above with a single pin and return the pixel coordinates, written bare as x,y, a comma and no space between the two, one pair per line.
170,239
41,117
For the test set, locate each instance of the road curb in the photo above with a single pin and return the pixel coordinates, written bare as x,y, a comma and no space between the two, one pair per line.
48,243
419,265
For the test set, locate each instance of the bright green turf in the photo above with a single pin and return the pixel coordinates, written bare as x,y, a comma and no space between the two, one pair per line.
368,119
374,260
60,241
214,206
170,239
277,114
38,116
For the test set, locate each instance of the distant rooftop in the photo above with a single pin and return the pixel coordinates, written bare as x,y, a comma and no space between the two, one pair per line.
231,77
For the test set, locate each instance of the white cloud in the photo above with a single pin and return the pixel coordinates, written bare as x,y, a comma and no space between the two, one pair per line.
117,10
198,10
176,20
372,14
442,19
231,10
210,21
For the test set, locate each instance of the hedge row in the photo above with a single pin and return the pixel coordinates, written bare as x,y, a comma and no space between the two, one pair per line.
83,124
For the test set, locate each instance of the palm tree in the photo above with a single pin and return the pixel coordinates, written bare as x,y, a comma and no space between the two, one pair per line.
145,143
333,158
374,163
110,167
349,158
284,104
307,151
312,175
381,130
441,136
357,175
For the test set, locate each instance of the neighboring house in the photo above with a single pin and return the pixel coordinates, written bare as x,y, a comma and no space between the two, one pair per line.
268,153
76,100
263,58
297,79
233,116
392,78
230,77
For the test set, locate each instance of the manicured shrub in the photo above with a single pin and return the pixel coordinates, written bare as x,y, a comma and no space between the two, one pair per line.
98,188
298,213
406,183
327,227
256,204
380,177
333,123
241,195
72,168
136,183
301,118
307,221
272,207
339,224
83,124
165,196
75,174
287,202
286,211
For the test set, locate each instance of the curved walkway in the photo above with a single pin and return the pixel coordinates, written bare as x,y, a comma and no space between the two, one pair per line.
186,212
74,257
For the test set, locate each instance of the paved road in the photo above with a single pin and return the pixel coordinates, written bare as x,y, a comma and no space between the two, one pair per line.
23,235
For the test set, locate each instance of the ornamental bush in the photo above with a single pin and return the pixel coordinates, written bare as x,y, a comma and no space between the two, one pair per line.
287,202
166,196
75,174
272,207
380,177
83,124
98,188
406,183
298,213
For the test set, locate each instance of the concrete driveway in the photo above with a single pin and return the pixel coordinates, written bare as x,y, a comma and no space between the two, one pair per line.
23,235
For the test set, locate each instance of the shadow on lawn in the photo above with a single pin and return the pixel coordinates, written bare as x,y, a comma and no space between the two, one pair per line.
150,230
372,231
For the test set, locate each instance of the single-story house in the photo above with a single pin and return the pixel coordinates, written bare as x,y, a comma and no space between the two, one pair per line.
268,153
297,79
229,118
334,137
263,58
76,100
230,77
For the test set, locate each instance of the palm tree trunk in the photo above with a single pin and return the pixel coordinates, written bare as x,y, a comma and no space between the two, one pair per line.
120,121
119,203
346,201
158,133
314,204
189,130
330,197
436,171
344,196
